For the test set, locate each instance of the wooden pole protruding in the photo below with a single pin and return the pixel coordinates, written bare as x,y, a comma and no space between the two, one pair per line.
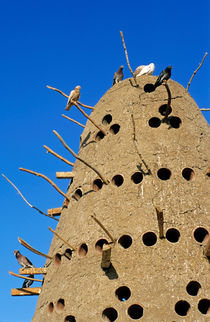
160,221
74,121
25,244
58,156
104,229
33,271
64,175
25,277
106,256
61,238
196,71
169,100
25,291
55,211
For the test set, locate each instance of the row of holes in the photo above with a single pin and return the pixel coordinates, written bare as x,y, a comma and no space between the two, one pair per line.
135,312
182,307
114,129
174,121
200,234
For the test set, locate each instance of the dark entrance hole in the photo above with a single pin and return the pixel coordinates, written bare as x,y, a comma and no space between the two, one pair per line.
175,122
193,288
99,245
70,318
78,194
188,174
125,241
135,311
97,184
154,122
117,180
163,109
164,174
60,305
68,253
172,235
182,308
114,129
99,136
83,249
107,119
201,235
110,313
148,88
57,259
149,238
50,307
137,177
208,173
204,306
123,293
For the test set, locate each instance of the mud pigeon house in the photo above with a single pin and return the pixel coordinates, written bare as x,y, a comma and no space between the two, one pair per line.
74,95
144,70
22,260
118,76
164,75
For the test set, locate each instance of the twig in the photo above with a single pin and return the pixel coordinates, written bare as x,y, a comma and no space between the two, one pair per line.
22,242
104,229
204,109
77,157
126,55
169,100
54,232
25,277
57,155
196,71
41,212
47,179
87,106
106,256
160,221
73,120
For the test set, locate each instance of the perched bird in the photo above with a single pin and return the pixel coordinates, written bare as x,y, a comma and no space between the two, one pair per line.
22,260
164,75
118,76
144,70
28,283
74,95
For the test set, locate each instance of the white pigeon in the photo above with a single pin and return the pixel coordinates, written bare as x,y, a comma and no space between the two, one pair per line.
74,95
144,70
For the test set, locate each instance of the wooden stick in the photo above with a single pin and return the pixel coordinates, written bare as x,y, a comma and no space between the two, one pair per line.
204,109
58,156
73,120
87,106
33,271
196,71
169,100
47,179
55,211
41,212
106,256
22,242
64,175
59,236
77,157
126,55
25,277
25,291
104,229
160,221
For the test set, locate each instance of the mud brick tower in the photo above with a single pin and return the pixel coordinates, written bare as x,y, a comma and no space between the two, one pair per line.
141,240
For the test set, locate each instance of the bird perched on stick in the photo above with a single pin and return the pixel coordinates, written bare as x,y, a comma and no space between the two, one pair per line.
74,95
28,283
144,70
22,260
118,76
164,75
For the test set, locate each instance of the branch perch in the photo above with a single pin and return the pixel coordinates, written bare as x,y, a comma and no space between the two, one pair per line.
25,277
77,157
196,71
47,179
160,221
22,242
204,109
169,100
106,257
57,155
104,229
73,120
41,212
59,236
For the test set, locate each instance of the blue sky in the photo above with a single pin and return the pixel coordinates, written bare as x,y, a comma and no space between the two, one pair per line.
64,44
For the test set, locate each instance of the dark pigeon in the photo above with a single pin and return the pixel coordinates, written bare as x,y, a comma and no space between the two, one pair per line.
164,75
22,260
28,283
118,76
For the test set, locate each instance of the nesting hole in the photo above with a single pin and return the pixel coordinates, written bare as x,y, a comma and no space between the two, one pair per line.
175,122
123,293
107,119
188,174
78,194
204,306
99,245
193,288
154,122
83,249
97,184
135,311
114,129
148,88
60,305
201,235
163,109
70,318
137,177
117,180
50,308
182,308
57,259
110,314
125,241
173,235
68,253
164,174
149,238
99,136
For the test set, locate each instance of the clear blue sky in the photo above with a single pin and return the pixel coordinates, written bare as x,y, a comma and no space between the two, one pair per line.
63,44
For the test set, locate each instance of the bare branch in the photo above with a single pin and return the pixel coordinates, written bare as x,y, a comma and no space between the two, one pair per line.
204,109
73,120
169,100
106,256
196,71
87,106
57,155
47,179
22,242
104,229
59,236
25,277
